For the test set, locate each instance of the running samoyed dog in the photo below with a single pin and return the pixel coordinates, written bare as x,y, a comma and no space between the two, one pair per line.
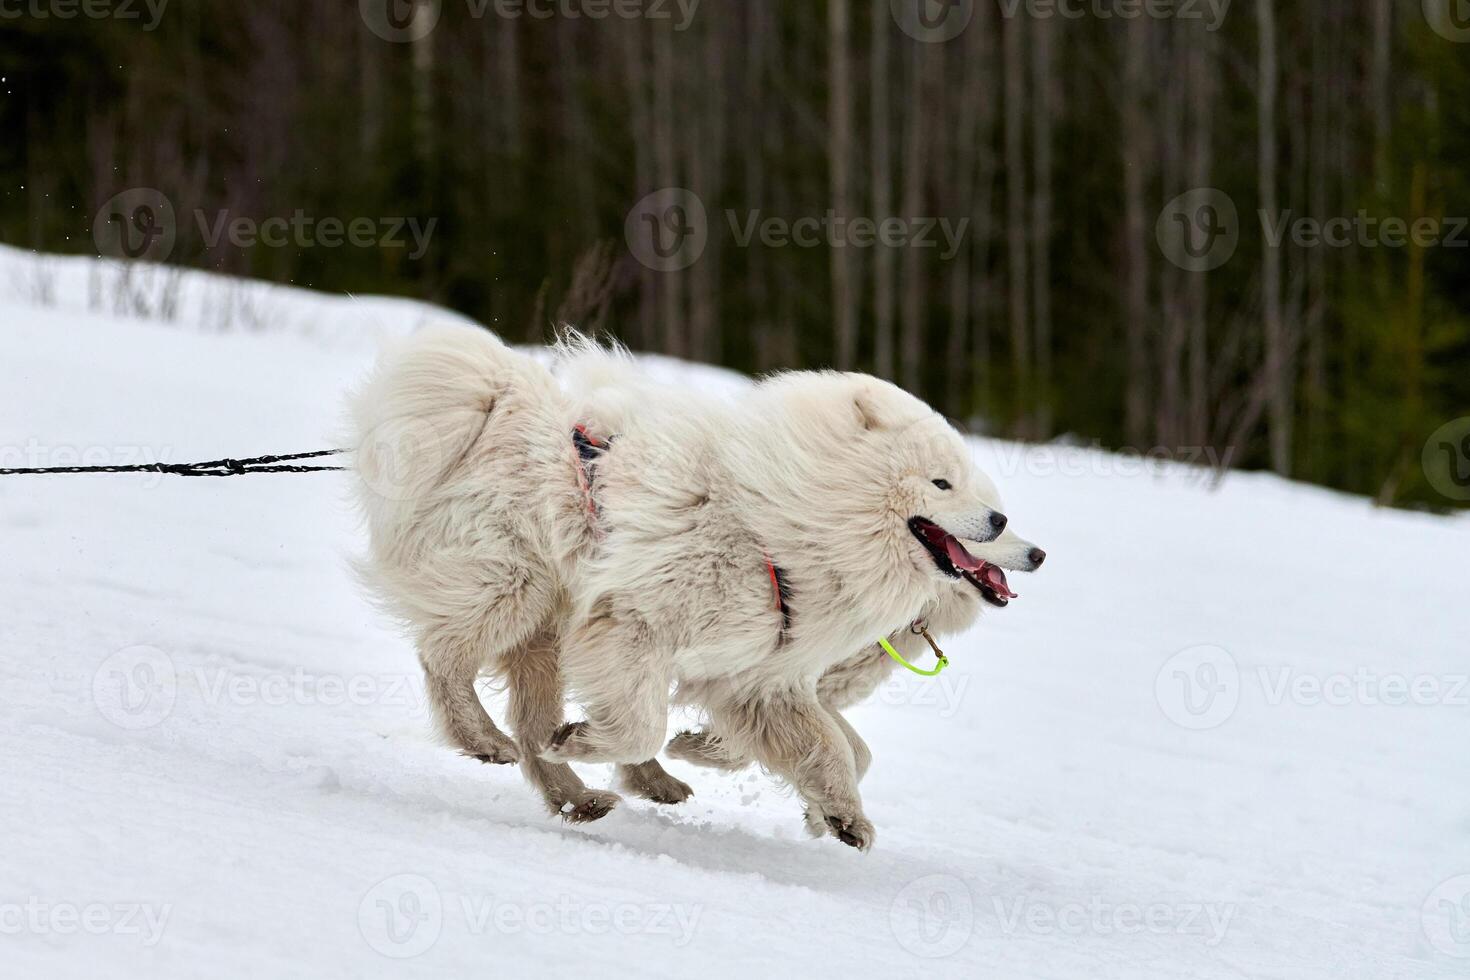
741,549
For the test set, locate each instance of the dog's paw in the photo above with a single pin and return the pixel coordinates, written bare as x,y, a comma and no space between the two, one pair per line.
499,755
857,832
701,749
660,787
589,805
854,831
566,743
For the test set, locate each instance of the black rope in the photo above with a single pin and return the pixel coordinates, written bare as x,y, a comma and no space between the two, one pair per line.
213,467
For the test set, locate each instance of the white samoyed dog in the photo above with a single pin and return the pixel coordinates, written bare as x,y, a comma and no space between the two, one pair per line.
613,538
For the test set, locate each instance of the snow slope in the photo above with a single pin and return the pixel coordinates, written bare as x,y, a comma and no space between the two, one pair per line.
1184,752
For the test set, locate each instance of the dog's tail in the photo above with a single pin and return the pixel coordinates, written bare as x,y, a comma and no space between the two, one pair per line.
603,382
426,403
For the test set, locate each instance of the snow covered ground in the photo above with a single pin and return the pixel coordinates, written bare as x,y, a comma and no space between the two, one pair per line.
1222,733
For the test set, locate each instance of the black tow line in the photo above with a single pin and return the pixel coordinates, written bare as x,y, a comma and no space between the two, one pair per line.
214,467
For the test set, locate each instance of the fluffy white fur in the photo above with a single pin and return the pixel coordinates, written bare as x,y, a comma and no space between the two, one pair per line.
483,541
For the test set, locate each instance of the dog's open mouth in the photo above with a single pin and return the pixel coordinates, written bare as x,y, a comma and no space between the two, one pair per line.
954,561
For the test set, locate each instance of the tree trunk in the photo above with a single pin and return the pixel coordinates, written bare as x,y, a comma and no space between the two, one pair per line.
672,328
921,58
1135,177
1015,150
1202,85
839,163
1044,96
1278,374
882,178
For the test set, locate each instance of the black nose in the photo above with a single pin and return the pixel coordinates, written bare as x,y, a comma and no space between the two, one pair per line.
1037,556
998,521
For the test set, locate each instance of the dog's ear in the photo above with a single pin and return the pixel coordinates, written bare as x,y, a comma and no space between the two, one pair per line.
867,411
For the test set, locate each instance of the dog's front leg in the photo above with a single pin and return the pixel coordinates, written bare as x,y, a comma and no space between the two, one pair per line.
794,736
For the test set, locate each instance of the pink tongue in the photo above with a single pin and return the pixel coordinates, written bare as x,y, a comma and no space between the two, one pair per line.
991,575
961,558
996,579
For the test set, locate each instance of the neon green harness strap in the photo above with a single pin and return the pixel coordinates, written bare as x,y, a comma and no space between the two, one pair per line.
888,648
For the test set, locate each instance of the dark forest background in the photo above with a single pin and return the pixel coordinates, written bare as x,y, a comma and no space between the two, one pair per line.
1060,139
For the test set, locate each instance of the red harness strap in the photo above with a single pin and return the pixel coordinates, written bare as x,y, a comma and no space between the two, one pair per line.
775,584
780,593
588,447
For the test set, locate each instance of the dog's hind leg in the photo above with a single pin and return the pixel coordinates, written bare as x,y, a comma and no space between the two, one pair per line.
535,714
617,671
652,782
704,748
450,671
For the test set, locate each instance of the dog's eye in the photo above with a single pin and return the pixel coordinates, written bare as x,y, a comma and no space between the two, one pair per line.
943,484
